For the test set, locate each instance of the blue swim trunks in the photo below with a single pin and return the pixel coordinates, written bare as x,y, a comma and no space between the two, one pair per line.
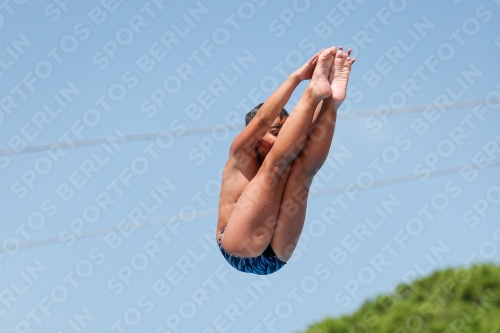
266,263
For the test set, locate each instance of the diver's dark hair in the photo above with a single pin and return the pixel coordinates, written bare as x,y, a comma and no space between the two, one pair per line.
250,115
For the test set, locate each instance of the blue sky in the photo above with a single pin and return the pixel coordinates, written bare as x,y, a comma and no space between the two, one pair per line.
72,72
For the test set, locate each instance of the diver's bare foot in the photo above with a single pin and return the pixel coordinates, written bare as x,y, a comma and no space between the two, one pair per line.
339,74
320,86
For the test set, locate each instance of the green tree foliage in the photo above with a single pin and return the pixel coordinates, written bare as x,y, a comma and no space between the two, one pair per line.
451,301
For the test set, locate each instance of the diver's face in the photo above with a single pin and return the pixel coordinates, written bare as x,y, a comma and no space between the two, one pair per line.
267,142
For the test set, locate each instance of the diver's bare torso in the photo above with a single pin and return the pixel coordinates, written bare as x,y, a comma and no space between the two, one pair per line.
238,172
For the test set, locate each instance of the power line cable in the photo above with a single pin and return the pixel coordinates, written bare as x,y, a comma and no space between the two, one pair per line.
208,129
213,211
417,109
402,179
